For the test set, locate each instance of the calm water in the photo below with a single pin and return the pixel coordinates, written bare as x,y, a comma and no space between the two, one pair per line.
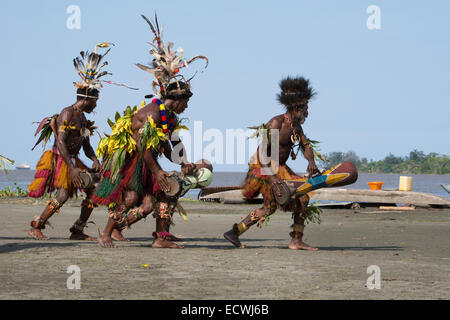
429,183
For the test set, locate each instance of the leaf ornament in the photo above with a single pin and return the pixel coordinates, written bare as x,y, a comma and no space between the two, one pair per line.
120,139
260,130
313,213
178,123
46,127
91,127
315,147
66,126
151,135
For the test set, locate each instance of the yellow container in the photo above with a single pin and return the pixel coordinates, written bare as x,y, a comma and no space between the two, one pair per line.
405,183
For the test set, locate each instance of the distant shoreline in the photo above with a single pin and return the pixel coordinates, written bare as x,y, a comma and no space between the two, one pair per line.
243,172
428,183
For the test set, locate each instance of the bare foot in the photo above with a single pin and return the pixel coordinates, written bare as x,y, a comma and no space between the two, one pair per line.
297,244
106,242
81,236
233,238
173,238
164,243
37,234
118,236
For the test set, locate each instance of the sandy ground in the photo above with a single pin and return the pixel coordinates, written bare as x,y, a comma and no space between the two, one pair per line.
410,248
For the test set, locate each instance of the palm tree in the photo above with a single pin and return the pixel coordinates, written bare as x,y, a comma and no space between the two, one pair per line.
4,162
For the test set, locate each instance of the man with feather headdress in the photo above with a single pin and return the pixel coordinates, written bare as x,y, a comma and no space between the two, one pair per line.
133,182
264,175
59,168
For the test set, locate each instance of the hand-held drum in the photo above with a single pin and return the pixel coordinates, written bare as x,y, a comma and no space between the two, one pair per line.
175,181
180,184
88,178
286,193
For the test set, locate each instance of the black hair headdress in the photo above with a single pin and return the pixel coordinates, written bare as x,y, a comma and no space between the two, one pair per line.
294,90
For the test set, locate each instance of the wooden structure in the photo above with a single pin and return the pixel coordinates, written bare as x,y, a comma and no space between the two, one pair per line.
348,195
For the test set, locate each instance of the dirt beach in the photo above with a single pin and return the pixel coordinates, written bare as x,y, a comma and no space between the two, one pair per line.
411,249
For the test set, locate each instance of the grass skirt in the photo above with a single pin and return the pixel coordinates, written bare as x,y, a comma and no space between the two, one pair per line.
52,173
256,183
132,176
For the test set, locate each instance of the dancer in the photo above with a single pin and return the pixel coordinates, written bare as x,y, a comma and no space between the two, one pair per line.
133,182
264,176
59,168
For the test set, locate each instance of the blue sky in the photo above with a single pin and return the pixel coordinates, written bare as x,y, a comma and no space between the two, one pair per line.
379,91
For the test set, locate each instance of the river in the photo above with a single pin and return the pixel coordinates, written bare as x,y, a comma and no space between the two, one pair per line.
429,183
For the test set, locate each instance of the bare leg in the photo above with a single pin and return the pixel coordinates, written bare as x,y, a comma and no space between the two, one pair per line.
52,206
118,222
239,228
166,227
87,206
130,200
171,237
299,225
105,239
162,235
117,235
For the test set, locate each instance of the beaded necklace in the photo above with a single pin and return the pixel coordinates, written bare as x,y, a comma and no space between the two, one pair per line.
162,109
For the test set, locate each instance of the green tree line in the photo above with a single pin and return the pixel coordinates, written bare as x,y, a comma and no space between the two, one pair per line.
417,162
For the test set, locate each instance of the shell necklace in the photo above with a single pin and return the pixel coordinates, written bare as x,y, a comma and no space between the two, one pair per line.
295,138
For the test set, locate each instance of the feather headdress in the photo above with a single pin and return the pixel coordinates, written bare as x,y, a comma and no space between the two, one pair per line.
89,68
294,90
166,65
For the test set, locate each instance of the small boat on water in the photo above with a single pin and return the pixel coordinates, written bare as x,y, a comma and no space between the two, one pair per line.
23,166
446,187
